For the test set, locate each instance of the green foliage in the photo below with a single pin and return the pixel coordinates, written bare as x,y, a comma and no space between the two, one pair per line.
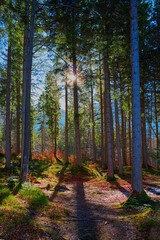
83,171
108,178
34,196
150,221
4,192
137,201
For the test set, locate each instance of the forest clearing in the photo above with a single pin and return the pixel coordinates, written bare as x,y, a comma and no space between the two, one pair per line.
79,119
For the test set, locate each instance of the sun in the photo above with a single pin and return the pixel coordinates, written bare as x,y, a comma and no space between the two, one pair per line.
71,78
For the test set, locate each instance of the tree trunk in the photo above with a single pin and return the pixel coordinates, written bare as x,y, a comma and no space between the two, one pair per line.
143,126
118,138
8,127
66,124
101,107
55,133
18,114
105,131
150,128
76,114
129,131
108,117
27,67
136,111
4,131
123,127
42,137
156,118
93,124
112,134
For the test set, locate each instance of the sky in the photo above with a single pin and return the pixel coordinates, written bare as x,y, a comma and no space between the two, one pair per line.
41,65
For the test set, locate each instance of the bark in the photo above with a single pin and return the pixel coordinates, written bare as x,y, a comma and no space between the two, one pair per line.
18,115
105,131
156,118
8,127
112,134
93,124
52,132
66,124
55,133
123,128
101,107
150,129
108,117
27,67
76,114
4,132
43,134
143,126
136,112
118,138
129,132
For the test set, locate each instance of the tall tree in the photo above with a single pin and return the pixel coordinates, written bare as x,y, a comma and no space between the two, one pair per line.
92,117
108,117
27,67
118,141
8,126
136,111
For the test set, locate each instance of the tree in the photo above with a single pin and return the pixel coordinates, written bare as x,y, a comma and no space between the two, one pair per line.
108,118
136,111
27,67
52,108
8,126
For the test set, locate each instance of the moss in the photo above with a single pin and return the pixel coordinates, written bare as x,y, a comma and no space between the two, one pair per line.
34,196
136,199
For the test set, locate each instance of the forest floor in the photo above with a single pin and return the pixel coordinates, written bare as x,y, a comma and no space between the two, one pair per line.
65,202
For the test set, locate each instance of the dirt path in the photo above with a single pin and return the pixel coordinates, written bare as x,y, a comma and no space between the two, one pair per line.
94,215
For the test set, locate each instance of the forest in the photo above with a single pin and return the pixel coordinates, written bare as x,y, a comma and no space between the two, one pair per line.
79,119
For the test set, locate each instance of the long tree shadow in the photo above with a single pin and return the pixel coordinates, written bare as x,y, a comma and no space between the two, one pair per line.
87,229
60,180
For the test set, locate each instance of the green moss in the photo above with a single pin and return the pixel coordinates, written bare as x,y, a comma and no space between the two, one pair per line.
34,196
137,200
108,178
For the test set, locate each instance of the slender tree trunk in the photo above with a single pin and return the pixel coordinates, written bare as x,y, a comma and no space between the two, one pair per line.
105,131
76,114
52,133
156,118
118,138
27,67
66,124
42,137
101,107
136,111
4,131
112,134
108,117
18,115
44,133
55,133
129,132
150,129
8,127
123,127
93,124
143,126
